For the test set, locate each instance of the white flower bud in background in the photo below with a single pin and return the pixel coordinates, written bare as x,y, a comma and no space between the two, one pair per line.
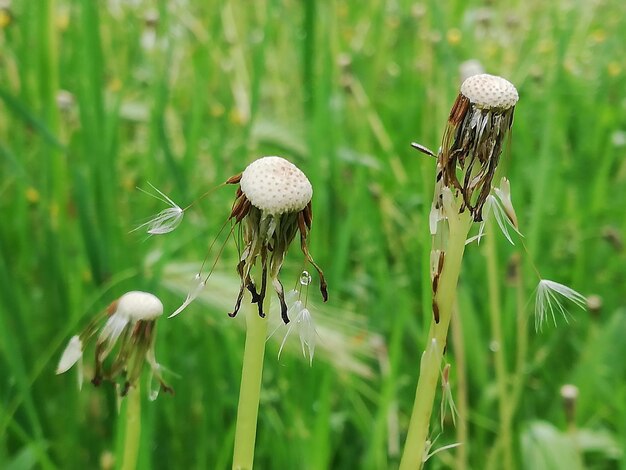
470,68
569,394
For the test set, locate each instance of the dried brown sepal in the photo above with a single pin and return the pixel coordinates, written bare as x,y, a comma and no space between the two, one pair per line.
112,307
235,179
439,269
241,207
309,258
280,292
442,257
435,311
307,214
259,296
244,281
237,302
459,110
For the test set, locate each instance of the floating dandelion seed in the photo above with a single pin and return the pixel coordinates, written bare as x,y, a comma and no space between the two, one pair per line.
548,301
194,292
131,327
165,221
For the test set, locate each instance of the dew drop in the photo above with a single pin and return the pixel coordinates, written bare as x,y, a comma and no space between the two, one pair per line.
305,278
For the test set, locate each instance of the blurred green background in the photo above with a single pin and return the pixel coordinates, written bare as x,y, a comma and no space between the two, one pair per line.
100,97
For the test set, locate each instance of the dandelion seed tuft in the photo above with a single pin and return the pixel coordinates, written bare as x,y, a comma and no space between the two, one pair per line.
304,323
294,310
308,334
165,221
494,206
548,301
504,194
447,400
72,354
194,292
489,91
429,444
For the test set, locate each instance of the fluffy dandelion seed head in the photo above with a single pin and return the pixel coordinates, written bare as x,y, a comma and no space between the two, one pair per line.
276,186
139,306
489,91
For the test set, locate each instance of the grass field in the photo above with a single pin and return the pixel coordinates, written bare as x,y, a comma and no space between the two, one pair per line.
99,98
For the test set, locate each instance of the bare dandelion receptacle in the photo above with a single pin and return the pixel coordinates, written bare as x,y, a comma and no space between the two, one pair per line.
479,121
273,202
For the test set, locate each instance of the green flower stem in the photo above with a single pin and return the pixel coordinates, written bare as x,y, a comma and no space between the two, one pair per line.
522,338
462,404
249,394
415,446
502,379
132,431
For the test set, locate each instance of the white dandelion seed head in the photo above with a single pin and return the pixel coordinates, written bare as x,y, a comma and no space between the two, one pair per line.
71,355
276,186
489,91
138,305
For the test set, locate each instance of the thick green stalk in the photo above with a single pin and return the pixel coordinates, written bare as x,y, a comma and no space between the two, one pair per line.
133,428
250,391
415,447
